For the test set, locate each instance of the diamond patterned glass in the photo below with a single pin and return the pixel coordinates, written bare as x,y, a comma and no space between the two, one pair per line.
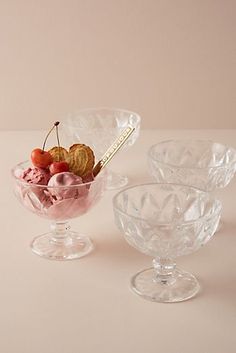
204,164
166,221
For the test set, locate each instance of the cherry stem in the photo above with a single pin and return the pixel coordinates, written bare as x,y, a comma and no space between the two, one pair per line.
58,142
55,124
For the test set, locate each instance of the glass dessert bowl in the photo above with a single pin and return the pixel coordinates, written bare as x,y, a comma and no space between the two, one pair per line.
63,198
200,163
98,128
166,221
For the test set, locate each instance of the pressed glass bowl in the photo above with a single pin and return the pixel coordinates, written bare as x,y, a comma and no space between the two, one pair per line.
166,221
204,164
59,204
98,128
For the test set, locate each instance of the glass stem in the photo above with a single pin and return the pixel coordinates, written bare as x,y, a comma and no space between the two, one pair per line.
59,231
164,270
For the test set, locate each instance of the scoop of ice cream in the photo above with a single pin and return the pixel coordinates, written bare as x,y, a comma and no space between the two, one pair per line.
64,186
65,179
66,195
36,198
36,176
68,208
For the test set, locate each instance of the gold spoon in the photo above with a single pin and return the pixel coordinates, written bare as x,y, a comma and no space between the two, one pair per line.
112,150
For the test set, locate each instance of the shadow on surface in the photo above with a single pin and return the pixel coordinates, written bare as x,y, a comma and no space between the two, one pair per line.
220,289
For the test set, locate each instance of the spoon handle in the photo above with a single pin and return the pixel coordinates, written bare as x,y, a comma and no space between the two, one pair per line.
113,149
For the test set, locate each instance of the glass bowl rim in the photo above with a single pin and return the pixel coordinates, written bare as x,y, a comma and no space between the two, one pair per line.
93,109
214,200
150,154
25,183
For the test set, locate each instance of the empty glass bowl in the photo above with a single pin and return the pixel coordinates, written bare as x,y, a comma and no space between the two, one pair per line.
59,204
98,128
204,164
166,221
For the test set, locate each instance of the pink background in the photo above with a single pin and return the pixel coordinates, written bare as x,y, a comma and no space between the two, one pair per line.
173,61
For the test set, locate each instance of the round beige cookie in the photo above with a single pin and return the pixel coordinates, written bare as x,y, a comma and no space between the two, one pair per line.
59,154
81,159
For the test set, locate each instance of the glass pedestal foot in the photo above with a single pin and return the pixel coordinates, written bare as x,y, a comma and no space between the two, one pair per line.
178,287
115,180
71,247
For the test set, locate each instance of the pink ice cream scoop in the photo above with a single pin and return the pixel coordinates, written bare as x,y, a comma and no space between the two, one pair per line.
36,176
34,196
68,208
59,197
69,196
63,186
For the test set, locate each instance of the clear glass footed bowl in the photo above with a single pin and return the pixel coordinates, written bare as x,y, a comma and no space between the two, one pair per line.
59,204
204,164
166,221
98,128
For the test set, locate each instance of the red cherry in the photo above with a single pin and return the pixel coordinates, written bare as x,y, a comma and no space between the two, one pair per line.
41,158
59,167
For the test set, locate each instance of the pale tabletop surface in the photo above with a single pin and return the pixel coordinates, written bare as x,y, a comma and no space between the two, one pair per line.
86,305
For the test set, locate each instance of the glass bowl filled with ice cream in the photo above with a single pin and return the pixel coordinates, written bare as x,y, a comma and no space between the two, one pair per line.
59,184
